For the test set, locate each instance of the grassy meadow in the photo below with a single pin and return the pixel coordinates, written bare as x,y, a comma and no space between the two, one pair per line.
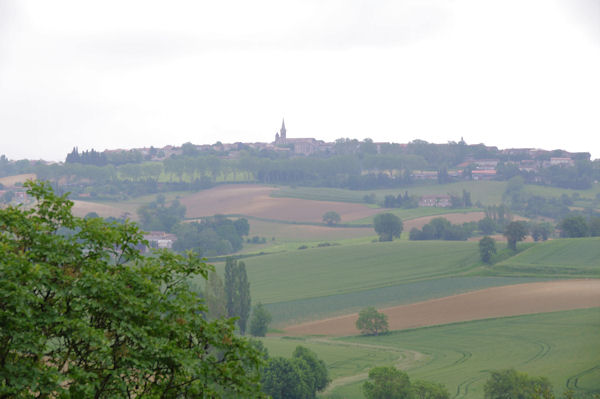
562,346
567,257
318,282
316,272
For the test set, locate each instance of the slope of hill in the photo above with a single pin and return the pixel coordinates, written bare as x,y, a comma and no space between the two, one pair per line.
572,257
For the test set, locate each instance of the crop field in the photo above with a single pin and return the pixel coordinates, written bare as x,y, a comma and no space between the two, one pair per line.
303,310
343,359
9,181
418,217
491,302
574,257
562,346
317,272
285,232
255,200
82,208
487,192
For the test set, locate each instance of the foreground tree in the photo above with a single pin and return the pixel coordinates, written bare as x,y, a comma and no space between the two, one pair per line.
387,383
85,315
487,249
514,232
388,226
515,385
331,218
370,321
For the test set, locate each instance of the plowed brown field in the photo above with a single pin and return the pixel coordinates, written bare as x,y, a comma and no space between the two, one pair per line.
488,303
253,200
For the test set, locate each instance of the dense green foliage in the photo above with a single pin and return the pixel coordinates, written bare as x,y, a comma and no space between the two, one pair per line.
237,292
370,321
487,249
441,229
259,321
514,232
300,377
211,236
387,383
574,226
158,216
388,226
510,383
331,218
83,314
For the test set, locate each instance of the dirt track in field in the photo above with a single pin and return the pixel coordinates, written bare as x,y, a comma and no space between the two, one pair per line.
488,303
253,200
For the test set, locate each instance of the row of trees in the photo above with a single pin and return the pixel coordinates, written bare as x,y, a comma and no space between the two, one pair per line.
391,383
441,229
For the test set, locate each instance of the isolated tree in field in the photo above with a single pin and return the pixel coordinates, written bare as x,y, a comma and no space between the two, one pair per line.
541,231
387,226
513,384
331,218
387,383
514,232
370,321
85,315
573,227
237,290
487,248
259,321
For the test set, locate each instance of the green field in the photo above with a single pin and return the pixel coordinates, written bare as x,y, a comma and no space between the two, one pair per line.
487,192
563,346
570,257
413,213
301,285
343,359
317,272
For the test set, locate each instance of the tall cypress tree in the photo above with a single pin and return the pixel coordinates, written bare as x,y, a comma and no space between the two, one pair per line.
237,290
244,297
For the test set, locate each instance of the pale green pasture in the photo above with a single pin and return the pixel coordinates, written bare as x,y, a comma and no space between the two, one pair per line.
317,272
569,257
563,346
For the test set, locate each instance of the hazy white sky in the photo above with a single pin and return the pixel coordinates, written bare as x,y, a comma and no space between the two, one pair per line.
125,73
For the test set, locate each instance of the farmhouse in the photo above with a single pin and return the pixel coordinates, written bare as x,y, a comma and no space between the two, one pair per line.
160,239
436,201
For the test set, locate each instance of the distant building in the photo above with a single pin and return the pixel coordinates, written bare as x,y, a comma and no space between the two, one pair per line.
436,201
485,174
160,239
425,175
561,162
302,146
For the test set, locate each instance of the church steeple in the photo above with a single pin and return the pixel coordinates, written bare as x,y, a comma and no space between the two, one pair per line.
282,132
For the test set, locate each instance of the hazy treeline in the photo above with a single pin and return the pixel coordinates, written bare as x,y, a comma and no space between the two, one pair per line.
350,164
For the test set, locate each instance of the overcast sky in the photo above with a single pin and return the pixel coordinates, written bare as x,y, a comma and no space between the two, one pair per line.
124,73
